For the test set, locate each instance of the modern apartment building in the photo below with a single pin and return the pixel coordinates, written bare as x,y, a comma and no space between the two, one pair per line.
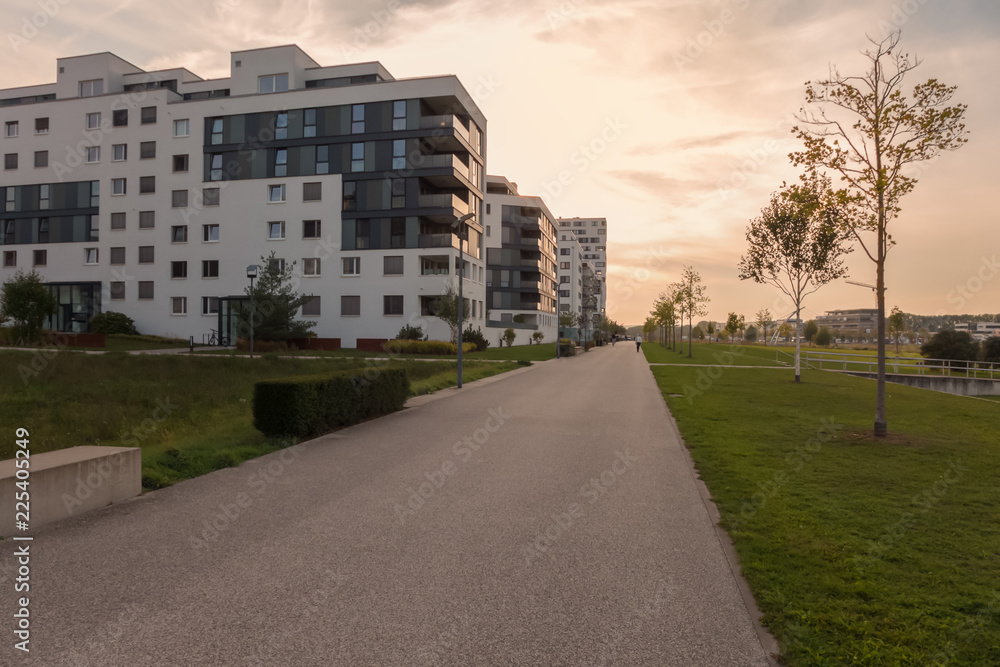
521,273
593,236
863,321
979,330
572,271
150,193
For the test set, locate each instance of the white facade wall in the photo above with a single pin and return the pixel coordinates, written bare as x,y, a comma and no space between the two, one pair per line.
592,233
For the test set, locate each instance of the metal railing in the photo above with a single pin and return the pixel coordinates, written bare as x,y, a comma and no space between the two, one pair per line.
863,363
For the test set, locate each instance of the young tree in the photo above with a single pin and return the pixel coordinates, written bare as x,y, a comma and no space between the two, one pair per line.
698,333
866,130
765,323
27,301
732,325
710,328
751,335
691,297
537,337
897,325
785,330
508,336
445,308
796,246
823,337
275,303
811,330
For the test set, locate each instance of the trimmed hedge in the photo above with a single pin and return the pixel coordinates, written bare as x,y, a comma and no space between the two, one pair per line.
315,404
425,347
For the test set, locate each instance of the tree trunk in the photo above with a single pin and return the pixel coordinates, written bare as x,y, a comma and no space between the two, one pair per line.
798,335
881,426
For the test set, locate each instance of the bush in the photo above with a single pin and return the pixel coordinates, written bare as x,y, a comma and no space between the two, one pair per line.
991,349
588,344
508,337
113,323
955,345
537,337
476,337
823,338
311,405
408,332
425,347
567,348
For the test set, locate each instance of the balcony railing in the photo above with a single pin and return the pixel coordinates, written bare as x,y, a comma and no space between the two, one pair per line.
437,241
445,160
443,201
449,121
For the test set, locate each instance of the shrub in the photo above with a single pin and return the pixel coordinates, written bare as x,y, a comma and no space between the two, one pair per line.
476,337
954,345
311,405
408,332
588,344
823,338
425,347
991,349
566,347
537,337
113,323
508,336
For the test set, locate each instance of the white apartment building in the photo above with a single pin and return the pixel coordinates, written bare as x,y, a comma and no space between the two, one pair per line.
571,274
593,236
149,193
979,330
521,270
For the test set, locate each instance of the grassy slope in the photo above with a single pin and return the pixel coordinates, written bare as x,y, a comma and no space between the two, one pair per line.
859,552
518,353
714,353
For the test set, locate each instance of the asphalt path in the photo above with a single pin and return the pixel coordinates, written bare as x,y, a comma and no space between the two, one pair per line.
548,517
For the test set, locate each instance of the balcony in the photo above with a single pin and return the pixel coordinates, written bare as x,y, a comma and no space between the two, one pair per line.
437,241
445,122
443,201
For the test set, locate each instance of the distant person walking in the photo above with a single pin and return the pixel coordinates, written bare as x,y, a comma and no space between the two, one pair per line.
638,343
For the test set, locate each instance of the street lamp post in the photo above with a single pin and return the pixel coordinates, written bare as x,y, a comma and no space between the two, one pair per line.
460,224
251,274
558,317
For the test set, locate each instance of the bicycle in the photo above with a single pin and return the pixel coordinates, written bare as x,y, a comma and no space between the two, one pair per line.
215,339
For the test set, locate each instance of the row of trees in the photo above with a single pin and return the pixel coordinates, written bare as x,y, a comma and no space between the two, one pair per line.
684,299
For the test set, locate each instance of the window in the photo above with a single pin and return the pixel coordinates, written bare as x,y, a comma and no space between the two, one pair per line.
145,289
95,228
209,233
312,191
90,255
39,257
10,258
363,234
350,196
147,115
119,152
179,234
215,171
145,254
11,129
117,221
399,115
93,154
322,160
488,230
147,219
281,125
309,123
565,251
147,185
352,266
180,163
179,199
182,127
276,230
392,305
178,305
563,279
350,306
602,231
218,126
210,197
310,266
91,87
275,193
397,233
272,83
117,289
93,120
311,229
357,157
10,161
357,118
398,193
209,305
8,231
311,307
147,150
399,154
210,268
41,158
178,269
489,209
281,162
118,256
563,265
393,265
44,196
277,264
41,126
119,118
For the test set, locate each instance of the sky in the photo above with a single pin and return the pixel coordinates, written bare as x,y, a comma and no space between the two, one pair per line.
671,118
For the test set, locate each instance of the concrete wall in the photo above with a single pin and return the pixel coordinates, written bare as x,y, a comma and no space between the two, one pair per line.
69,482
949,385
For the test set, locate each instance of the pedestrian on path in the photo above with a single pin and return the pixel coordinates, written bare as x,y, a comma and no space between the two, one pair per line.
638,343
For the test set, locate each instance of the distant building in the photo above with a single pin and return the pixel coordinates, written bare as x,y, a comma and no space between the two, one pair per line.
979,330
863,321
592,233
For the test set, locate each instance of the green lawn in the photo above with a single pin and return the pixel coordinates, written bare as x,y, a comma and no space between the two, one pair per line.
189,415
517,353
715,353
859,552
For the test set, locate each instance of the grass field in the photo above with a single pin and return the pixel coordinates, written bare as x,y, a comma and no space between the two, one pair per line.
859,552
712,353
189,415
541,352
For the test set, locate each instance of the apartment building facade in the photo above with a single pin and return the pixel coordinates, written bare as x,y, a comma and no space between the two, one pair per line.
521,269
862,321
573,270
150,193
593,236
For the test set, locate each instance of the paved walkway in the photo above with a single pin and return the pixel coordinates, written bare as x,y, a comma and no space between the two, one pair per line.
550,517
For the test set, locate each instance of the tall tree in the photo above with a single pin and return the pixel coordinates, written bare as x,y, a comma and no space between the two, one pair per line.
445,308
866,130
764,322
897,325
275,303
732,325
797,246
691,298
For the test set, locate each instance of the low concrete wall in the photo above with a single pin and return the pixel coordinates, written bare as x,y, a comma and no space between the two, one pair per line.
949,385
69,482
